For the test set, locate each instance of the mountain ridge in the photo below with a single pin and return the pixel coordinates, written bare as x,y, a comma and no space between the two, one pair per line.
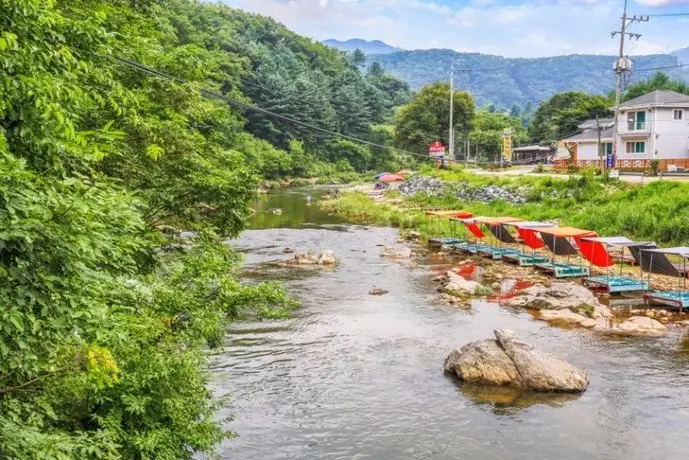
368,47
505,82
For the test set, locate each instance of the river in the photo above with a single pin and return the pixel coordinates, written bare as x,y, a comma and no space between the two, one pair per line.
359,376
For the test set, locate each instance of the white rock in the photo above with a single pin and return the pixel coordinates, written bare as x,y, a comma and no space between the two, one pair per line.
567,317
327,258
641,326
457,284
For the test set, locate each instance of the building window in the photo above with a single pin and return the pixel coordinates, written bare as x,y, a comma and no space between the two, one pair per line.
607,148
678,115
636,121
636,147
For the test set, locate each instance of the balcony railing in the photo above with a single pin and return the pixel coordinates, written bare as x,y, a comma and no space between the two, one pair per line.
636,126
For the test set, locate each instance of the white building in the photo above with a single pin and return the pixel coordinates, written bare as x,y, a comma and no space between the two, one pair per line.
584,146
654,126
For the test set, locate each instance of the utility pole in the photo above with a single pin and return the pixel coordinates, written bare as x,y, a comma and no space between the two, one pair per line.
600,152
451,137
622,65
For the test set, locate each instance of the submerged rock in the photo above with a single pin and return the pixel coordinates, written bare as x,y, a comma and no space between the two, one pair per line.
327,258
324,258
510,361
393,252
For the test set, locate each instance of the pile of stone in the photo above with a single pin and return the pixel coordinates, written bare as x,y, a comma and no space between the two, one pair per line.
421,184
489,193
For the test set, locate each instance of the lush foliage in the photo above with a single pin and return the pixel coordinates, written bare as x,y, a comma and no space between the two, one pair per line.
659,80
507,81
487,135
558,117
427,117
102,334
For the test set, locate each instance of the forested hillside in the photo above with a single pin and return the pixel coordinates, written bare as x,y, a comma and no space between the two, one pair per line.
107,313
506,82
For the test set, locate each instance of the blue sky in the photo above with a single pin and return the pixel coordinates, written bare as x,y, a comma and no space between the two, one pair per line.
514,28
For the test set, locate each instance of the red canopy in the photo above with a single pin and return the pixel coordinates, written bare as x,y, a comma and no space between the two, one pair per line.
594,252
530,238
473,227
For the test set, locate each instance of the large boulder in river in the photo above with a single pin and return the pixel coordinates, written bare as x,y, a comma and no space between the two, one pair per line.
638,326
509,361
555,297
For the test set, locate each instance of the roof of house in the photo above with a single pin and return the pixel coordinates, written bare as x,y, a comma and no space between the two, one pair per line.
658,97
532,148
590,134
590,124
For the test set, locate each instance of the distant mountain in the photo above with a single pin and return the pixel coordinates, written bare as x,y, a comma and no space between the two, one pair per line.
508,81
682,55
368,47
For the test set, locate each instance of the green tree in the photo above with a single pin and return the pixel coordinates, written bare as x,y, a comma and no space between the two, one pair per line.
659,80
427,117
358,57
559,116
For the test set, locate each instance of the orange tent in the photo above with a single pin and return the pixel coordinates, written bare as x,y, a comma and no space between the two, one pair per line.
593,251
567,232
456,214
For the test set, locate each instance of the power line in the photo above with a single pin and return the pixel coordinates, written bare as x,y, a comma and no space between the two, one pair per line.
649,69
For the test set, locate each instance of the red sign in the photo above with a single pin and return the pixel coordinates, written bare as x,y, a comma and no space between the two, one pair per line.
436,149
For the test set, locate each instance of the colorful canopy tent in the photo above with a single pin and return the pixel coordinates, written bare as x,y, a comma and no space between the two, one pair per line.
596,251
471,225
659,263
379,175
387,178
496,226
403,173
558,240
528,233
453,214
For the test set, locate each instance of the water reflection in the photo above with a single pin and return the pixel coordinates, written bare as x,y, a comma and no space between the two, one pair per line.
510,401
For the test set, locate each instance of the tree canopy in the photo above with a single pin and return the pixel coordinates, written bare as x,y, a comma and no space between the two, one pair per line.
559,116
427,117
659,80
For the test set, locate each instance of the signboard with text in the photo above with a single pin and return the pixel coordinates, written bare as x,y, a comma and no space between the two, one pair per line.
436,149
610,161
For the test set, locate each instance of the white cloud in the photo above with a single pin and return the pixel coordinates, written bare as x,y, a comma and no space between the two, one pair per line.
513,28
662,3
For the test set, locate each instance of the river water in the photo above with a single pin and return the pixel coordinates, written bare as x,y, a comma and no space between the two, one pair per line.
359,376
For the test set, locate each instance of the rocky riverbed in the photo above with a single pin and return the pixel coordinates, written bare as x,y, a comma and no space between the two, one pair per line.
561,303
465,192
